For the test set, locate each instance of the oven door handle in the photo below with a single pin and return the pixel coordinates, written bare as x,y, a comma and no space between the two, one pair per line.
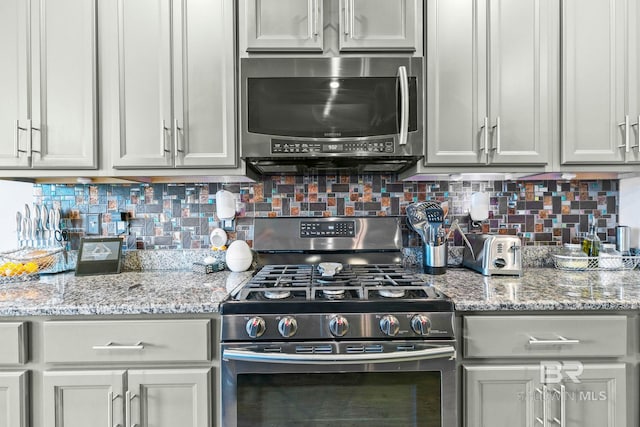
444,352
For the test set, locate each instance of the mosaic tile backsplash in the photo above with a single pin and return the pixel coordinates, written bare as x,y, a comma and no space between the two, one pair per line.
181,216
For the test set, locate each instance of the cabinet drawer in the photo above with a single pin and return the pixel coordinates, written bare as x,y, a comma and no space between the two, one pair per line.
127,341
545,336
13,343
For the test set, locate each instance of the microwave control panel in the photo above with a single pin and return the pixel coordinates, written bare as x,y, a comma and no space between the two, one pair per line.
327,229
279,146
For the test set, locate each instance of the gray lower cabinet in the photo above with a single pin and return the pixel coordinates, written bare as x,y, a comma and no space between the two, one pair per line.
13,399
600,82
491,91
142,397
168,79
524,395
565,370
48,113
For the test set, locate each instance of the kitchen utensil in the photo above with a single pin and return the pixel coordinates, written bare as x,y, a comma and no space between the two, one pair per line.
52,228
455,226
435,258
27,211
44,220
417,219
218,237
19,227
26,227
435,217
329,269
35,231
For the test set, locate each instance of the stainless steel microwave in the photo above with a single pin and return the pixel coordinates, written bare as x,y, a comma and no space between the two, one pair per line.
316,115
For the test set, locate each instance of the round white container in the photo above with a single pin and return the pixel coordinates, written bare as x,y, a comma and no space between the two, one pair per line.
239,256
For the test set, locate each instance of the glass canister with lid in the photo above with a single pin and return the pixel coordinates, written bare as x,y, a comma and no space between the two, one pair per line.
609,258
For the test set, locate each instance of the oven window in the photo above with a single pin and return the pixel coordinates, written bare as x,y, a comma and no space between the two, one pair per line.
372,399
315,107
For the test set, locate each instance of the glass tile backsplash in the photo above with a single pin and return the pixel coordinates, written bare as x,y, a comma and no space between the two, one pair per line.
181,216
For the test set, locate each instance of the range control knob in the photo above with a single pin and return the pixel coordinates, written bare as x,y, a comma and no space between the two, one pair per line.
255,327
287,326
338,326
421,324
389,325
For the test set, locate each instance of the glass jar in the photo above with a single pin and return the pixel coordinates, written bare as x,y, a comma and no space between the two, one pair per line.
572,257
609,258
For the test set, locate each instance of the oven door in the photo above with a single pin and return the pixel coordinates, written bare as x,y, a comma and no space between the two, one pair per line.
372,384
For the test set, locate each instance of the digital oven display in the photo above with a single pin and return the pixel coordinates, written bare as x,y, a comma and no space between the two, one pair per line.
309,229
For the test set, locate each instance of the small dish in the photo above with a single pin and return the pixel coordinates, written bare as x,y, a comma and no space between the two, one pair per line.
218,237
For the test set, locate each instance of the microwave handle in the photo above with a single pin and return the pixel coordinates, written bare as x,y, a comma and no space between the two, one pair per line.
444,352
404,104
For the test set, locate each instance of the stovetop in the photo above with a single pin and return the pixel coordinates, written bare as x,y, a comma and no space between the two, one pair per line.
357,288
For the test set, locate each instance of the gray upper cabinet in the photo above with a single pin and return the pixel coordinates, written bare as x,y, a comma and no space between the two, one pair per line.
48,116
175,87
358,25
600,88
380,24
283,24
491,92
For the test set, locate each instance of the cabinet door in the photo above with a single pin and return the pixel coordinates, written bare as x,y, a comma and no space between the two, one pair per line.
522,71
144,50
64,57
204,122
283,25
593,81
456,82
503,396
171,397
83,398
380,24
634,80
13,399
597,399
14,30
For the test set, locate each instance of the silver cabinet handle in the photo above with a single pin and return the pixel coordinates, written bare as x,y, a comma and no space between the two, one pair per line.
32,128
543,399
561,340
316,12
176,138
626,134
562,394
111,397
17,138
404,104
127,408
637,125
111,346
163,130
485,136
497,130
352,12
345,17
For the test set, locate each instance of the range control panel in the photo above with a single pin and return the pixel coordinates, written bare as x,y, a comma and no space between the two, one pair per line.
311,229
279,146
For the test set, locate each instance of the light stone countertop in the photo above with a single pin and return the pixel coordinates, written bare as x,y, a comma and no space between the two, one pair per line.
170,291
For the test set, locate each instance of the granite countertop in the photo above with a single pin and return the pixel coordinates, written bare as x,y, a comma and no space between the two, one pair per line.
148,292
541,289
183,291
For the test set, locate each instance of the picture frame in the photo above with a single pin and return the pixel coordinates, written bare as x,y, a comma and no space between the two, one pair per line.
100,255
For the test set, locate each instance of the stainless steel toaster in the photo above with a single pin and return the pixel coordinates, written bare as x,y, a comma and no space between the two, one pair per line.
494,254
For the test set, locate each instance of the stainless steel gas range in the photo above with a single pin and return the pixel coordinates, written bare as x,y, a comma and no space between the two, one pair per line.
339,334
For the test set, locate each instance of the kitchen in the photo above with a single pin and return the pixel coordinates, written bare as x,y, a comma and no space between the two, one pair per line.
171,193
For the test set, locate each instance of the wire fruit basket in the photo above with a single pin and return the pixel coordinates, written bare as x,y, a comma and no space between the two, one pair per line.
609,263
28,263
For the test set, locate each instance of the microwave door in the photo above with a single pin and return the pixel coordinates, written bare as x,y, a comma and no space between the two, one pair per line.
403,82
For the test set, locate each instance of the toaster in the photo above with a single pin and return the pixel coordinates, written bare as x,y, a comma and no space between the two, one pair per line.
494,254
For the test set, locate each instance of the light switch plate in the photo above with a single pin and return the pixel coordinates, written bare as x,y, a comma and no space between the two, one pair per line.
92,224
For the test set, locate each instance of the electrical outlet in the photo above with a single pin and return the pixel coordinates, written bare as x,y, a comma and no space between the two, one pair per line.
92,224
